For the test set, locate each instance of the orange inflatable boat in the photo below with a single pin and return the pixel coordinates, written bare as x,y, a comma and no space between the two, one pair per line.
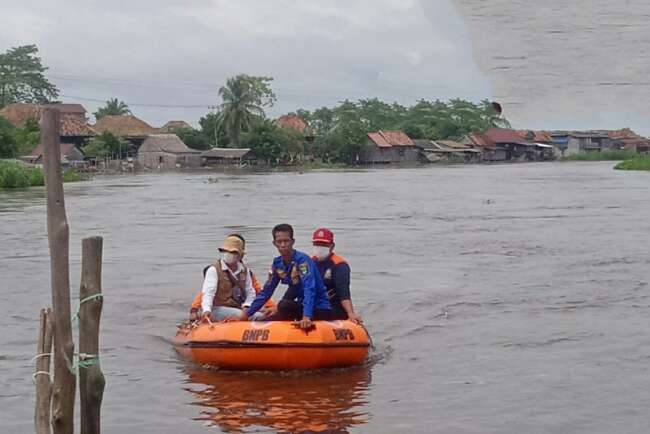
273,345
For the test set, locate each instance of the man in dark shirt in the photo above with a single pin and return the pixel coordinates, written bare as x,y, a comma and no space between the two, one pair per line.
335,272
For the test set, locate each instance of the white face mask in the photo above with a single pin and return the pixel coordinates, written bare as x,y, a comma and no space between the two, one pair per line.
229,258
320,252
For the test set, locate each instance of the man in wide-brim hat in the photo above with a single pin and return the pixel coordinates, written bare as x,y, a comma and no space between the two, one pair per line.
227,287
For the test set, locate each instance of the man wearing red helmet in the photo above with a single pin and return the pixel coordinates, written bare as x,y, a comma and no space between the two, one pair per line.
335,272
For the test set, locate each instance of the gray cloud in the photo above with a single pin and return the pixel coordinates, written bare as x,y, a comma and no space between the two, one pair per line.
178,52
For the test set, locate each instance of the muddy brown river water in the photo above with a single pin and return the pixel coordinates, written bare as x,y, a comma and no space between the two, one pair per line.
501,299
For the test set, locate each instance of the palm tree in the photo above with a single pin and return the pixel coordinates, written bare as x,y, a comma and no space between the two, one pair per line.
113,107
241,104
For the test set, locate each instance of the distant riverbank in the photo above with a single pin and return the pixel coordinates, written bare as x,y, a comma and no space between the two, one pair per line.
609,155
16,174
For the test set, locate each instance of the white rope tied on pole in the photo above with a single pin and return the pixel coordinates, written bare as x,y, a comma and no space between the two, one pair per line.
38,356
41,373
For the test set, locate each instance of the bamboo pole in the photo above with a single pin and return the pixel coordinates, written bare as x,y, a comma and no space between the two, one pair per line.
42,374
91,378
63,392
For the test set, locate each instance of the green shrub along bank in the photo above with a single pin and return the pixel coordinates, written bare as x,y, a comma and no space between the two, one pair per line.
639,162
610,155
17,175
72,176
14,174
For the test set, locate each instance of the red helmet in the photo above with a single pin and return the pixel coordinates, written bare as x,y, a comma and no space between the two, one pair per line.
323,235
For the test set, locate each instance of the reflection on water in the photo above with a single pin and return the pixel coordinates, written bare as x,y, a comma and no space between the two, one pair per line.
315,401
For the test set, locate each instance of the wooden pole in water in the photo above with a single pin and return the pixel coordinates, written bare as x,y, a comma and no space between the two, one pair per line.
91,378
42,374
63,392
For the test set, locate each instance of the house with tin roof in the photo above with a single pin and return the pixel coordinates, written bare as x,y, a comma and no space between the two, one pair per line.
295,122
536,136
72,130
543,144
69,110
389,146
489,151
587,141
504,144
218,156
447,151
574,142
629,140
517,148
70,155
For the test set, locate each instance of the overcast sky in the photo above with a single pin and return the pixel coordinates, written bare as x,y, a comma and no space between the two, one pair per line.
178,53
576,65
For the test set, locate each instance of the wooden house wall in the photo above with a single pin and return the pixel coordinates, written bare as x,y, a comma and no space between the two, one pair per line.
373,154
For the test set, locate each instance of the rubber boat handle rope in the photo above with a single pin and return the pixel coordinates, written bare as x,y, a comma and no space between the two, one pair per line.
372,345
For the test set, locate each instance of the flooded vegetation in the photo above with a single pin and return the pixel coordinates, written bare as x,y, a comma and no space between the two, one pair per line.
638,162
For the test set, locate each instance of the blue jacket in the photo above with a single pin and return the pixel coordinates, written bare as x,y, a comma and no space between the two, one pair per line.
304,281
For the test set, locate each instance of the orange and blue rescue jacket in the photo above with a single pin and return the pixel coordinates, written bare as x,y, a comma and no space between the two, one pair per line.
303,280
335,273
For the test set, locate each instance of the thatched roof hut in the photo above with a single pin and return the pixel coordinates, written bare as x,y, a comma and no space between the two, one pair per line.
126,126
169,143
172,126
19,113
167,151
